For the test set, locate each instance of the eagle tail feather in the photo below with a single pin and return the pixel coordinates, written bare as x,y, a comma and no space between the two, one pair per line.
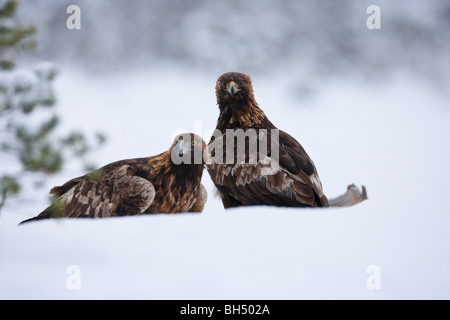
46,214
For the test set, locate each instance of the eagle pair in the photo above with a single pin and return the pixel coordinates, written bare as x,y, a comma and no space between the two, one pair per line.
158,184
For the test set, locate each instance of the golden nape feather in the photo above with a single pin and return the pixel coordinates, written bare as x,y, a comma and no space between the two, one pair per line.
278,172
169,182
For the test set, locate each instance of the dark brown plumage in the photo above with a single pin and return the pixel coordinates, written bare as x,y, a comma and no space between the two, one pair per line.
137,186
294,183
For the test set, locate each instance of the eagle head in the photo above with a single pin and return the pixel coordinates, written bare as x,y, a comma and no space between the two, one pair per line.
189,148
233,87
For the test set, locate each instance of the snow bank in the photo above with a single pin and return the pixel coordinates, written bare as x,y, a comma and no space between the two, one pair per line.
394,138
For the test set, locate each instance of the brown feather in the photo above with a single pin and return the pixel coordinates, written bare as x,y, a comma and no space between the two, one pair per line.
295,183
134,186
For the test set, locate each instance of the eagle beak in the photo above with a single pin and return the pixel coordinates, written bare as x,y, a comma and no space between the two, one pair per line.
179,147
232,88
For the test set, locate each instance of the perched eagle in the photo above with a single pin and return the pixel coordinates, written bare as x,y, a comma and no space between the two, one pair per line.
281,174
166,183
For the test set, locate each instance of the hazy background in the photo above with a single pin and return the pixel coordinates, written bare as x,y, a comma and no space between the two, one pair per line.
312,40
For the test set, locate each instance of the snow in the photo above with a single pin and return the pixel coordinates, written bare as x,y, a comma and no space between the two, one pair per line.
393,137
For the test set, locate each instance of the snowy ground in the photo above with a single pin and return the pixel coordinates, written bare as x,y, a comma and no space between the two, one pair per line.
392,137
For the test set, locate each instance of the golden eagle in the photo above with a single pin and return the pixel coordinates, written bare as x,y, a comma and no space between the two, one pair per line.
281,173
166,183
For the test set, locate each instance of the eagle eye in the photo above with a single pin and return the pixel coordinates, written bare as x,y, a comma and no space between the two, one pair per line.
194,142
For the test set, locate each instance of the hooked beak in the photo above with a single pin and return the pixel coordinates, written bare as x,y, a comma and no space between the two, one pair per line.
179,149
232,88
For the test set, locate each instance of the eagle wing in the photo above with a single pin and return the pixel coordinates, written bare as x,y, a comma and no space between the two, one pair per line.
291,181
110,191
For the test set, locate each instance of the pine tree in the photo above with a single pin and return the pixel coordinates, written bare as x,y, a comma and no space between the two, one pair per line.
27,149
